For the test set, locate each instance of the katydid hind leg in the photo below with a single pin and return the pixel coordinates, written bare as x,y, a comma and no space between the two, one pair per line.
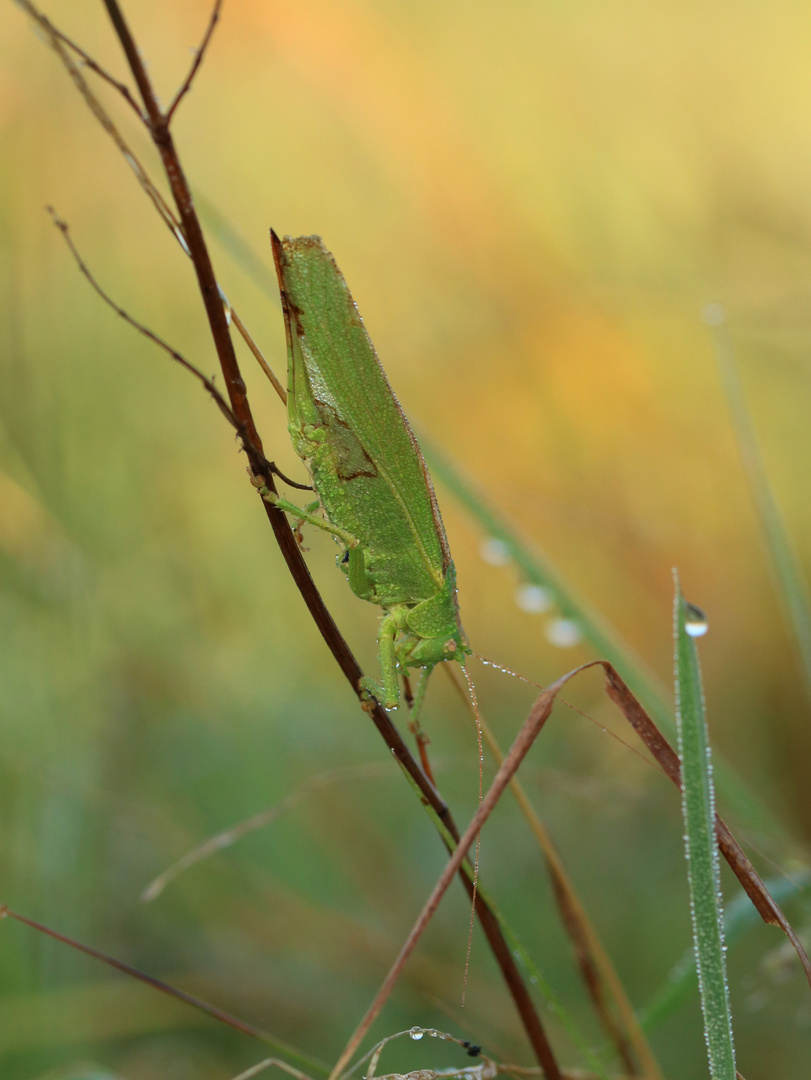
389,689
415,708
419,696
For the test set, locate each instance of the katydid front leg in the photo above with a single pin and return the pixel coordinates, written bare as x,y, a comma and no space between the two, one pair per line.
389,692
307,515
356,563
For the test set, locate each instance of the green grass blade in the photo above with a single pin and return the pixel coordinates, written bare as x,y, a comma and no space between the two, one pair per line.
739,917
790,580
703,869
600,635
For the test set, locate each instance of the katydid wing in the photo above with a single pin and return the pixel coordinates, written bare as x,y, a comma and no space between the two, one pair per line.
366,467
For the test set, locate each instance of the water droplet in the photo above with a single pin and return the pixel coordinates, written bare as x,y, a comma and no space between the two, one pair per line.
695,621
494,552
713,315
182,240
533,598
416,1034
226,305
563,632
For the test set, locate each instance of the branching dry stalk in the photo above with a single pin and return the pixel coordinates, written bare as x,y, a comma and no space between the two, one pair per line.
186,226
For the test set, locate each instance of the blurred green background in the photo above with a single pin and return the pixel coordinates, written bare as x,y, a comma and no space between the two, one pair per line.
531,203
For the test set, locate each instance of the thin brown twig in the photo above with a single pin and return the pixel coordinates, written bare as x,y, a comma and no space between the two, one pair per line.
156,339
55,41
257,354
58,35
134,60
668,760
157,984
150,334
193,235
198,59
95,67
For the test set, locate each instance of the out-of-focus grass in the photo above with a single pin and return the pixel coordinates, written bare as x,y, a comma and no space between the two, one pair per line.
531,204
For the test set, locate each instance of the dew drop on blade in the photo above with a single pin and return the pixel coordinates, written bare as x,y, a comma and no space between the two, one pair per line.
494,551
565,633
416,1034
695,622
533,599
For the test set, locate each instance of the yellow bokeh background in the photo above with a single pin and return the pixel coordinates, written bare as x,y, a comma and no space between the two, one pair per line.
532,203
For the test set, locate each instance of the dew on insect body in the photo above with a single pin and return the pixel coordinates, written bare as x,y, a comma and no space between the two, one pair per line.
695,622
416,1034
534,599
494,552
564,633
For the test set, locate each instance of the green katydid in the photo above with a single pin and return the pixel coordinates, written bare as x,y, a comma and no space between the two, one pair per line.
374,492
